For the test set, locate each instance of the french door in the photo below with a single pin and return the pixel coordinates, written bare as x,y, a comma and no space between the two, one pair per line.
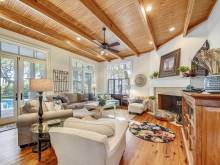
8,95
15,75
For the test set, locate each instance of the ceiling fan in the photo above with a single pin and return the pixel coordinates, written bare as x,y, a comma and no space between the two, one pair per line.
105,47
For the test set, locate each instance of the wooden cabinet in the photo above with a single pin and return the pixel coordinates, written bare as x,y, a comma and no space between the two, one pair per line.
201,128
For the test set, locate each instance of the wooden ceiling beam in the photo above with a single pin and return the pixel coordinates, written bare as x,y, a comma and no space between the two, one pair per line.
39,6
146,22
100,14
36,4
45,41
10,15
188,16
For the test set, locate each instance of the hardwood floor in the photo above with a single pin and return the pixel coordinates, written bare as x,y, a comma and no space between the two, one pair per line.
138,152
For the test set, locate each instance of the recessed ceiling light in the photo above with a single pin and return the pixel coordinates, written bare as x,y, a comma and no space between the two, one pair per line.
2,0
172,29
150,42
68,42
149,8
78,38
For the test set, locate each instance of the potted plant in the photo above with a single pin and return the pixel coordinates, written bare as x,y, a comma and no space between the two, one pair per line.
184,70
154,75
152,104
102,101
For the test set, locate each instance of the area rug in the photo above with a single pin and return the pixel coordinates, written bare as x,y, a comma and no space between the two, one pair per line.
152,132
121,114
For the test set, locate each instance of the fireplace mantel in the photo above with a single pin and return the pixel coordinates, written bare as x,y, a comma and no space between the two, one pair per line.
175,82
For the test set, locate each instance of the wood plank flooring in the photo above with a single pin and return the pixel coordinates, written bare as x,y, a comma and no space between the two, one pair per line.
138,152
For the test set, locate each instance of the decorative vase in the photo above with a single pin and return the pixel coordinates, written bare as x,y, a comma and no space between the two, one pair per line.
212,83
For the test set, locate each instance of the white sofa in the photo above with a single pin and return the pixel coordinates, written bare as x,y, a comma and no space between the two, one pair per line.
137,108
81,147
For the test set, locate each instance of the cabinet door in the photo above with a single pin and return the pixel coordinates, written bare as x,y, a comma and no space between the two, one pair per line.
211,136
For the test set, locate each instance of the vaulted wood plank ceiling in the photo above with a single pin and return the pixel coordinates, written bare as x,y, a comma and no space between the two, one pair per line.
76,25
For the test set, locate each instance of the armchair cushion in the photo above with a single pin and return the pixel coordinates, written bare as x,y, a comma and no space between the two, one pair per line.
102,127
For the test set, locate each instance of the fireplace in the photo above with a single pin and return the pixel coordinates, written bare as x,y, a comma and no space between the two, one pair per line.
169,103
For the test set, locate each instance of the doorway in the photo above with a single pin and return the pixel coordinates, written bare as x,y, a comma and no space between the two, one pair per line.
15,75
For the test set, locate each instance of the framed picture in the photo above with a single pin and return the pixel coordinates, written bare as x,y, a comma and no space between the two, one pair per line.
169,64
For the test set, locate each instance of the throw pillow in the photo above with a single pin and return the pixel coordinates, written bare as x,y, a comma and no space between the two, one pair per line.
100,126
57,104
32,106
49,106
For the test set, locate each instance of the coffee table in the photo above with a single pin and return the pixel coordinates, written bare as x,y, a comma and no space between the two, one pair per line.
98,110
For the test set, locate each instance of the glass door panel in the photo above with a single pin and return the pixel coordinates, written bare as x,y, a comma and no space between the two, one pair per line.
8,98
88,82
31,69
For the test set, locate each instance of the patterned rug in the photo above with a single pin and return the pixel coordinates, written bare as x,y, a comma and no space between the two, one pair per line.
152,132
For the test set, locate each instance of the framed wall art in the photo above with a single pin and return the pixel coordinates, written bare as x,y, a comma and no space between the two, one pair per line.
169,64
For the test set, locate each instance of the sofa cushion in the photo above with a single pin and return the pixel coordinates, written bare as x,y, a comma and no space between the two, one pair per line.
82,97
74,105
72,97
103,127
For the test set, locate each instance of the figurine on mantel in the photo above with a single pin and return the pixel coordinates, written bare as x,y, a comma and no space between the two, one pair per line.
210,60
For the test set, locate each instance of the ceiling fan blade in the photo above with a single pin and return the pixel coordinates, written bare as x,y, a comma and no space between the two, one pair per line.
114,44
113,50
97,42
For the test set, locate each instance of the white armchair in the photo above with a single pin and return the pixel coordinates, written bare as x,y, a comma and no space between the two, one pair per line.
138,107
82,147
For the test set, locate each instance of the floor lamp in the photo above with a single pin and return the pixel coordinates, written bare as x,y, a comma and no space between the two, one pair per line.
40,86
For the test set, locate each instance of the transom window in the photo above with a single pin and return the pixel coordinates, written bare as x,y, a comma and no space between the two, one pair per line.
26,51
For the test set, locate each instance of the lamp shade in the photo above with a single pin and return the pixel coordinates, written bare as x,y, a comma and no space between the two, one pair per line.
41,85
94,86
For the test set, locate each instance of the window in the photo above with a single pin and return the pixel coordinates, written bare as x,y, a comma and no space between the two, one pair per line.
118,78
26,52
22,50
77,77
40,55
9,47
83,77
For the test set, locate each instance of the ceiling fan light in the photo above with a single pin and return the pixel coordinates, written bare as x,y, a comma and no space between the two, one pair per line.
78,38
149,8
102,52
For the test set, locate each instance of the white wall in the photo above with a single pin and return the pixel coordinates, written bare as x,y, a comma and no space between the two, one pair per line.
214,26
149,62
58,58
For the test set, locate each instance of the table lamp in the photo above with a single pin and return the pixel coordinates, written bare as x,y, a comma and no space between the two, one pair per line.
40,86
94,88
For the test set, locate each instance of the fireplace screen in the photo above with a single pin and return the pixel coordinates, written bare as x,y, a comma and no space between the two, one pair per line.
169,103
